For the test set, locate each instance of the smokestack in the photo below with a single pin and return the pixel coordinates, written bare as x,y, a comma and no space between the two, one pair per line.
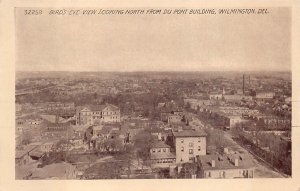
249,81
243,84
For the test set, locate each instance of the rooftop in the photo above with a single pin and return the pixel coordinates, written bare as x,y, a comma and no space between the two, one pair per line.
159,144
226,161
162,155
190,133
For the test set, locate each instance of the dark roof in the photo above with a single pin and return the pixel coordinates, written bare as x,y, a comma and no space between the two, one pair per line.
225,161
190,133
162,155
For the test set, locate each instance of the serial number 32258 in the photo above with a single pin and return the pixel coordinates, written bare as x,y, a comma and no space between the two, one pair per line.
33,12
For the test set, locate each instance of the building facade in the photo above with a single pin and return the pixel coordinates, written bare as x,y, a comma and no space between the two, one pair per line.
90,115
161,156
189,144
225,166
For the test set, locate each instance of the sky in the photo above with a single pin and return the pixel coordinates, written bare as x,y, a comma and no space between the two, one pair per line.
154,42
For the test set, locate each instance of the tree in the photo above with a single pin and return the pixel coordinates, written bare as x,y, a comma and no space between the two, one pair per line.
142,143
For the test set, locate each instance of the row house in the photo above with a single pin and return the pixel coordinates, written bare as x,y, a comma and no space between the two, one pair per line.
56,106
225,166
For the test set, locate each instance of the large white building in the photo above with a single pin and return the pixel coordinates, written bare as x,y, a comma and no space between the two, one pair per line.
90,115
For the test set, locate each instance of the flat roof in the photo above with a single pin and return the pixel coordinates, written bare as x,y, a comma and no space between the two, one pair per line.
190,133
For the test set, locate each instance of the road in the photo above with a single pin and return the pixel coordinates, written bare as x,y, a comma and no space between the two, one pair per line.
262,170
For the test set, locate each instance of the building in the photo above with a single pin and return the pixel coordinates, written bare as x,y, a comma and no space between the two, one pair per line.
174,119
161,156
189,144
232,120
96,114
195,104
56,131
216,96
55,106
22,156
225,166
237,98
265,95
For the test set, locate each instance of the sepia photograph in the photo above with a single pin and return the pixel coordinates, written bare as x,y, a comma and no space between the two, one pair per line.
153,93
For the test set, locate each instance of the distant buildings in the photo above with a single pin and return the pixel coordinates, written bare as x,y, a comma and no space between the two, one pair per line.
170,112
265,95
96,114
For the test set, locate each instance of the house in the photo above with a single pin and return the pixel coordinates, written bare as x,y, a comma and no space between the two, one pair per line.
47,147
174,119
225,166
96,114
215,96
189,144
232,120
237,98
161,156
170,108
55,131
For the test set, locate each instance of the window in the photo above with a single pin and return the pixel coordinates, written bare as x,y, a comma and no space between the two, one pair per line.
158,150
191,144
153,150
164,150
199,148
182,149
191,151
199,140
181,140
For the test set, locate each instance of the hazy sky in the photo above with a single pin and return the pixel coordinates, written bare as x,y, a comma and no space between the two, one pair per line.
154,42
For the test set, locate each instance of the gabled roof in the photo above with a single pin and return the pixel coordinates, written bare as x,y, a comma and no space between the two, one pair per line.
98,107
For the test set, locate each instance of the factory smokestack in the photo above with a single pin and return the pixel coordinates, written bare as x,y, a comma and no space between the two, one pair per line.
243,84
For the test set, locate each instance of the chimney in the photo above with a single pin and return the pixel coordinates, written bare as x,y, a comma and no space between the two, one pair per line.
236,162
213,163
226,150
220,158
56,119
